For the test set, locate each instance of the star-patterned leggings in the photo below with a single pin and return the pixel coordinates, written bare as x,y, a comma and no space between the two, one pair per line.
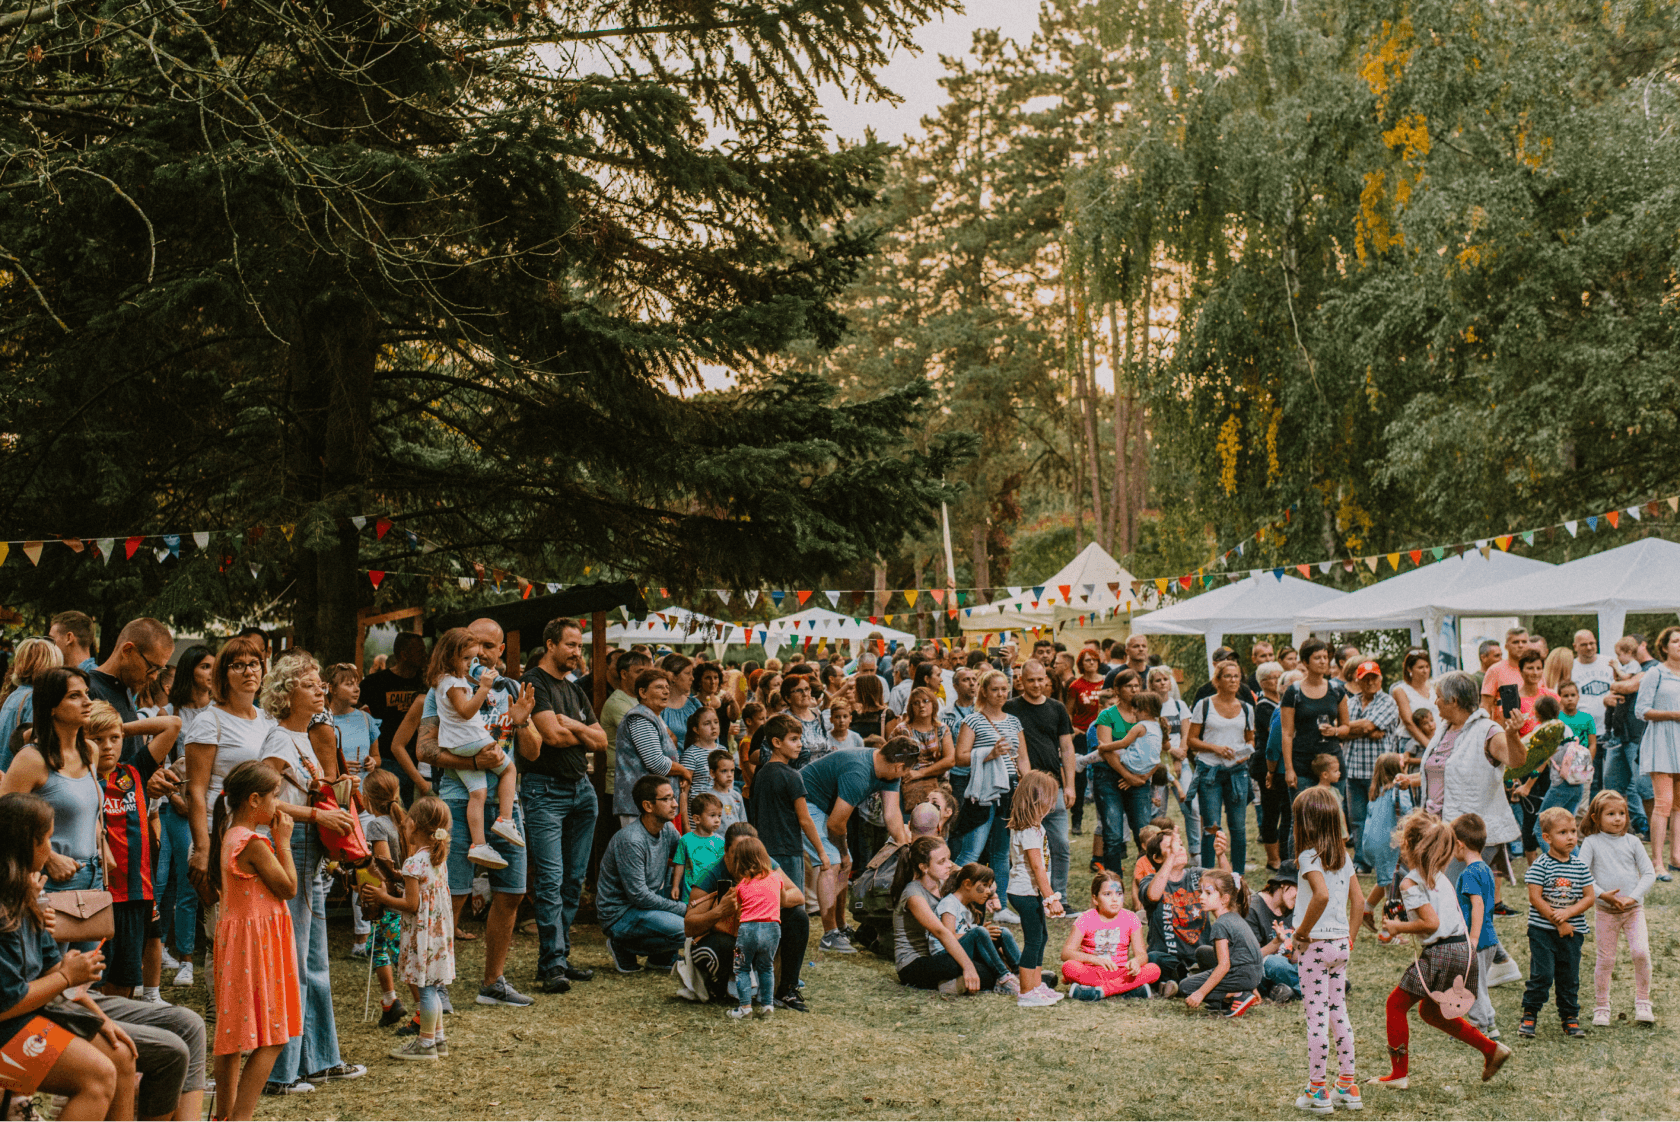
1324,993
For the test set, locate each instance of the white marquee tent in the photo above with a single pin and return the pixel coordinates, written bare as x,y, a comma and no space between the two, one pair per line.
1260,604
1642,576
1414,600
674,626
1090,585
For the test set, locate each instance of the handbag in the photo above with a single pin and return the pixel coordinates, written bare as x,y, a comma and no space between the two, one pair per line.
351,846
84,915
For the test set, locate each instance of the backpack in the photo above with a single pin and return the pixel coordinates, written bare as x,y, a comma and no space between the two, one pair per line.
872,900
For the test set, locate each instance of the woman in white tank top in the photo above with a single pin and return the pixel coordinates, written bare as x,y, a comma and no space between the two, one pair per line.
1411,693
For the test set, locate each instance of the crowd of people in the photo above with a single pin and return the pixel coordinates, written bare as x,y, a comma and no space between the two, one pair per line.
160,809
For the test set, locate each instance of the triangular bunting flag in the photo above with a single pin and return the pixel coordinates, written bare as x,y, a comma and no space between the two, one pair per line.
1437,552
752,597
5,548
1305,571
32,550
130,546
466,583
553,587
75,544
1482,544
255,533
833,597
1614,517
1324,568
1633,510
1528,537
255,570
1090,588
359,521
1067,592
1674,504
1592,523
804,594
1184,582
1240,550
381,528
1038,591
106,547
1417,556
288,528
201,538
526,595
938,595
1161,585
1371,563
1394,561
1503,542
778,595
889,620
910,595
1572,527
173,543
1278,573
377,576
722,594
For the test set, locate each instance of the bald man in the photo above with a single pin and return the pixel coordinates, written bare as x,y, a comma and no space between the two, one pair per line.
142,651
507,713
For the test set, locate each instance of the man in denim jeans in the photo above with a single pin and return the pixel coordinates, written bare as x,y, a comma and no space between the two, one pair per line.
633,893
1621,759
560,803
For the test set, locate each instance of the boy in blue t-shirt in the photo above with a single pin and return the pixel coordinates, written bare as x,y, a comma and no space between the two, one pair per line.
1476,897
700,850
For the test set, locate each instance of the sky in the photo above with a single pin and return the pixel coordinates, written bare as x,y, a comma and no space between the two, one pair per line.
915,76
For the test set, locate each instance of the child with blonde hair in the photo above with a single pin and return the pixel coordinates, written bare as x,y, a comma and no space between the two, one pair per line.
428,940
385,824
462,732
1623,872
1029,883
1327,897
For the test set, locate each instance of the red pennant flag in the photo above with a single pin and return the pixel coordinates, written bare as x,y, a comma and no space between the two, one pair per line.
131,545
952,613
526,595
1066,590
381,527
1614,517
938,595
377,576
804,594
1184,582
664,594
1417,556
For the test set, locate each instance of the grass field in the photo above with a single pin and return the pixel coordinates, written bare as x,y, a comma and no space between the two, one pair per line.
626,1047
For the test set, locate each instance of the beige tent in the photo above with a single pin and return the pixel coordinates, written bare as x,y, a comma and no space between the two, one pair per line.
1079,602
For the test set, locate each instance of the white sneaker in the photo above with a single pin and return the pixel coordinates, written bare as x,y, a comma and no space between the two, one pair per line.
1038,998
952,985
1642,1013
1007,916
1601,1018
1504,972
184,976
169,961
483,854
505,829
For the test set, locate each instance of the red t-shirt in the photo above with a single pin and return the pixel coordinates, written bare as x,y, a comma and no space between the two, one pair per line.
128,835
1083,705
761,899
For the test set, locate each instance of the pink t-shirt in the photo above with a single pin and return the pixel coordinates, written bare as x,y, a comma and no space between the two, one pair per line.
1502,673
1099,935
761,899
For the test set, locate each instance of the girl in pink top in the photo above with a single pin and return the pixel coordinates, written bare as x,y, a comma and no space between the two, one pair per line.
758,892
1106,953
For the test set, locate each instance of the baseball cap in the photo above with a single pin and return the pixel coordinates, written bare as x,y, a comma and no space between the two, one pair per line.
1367,667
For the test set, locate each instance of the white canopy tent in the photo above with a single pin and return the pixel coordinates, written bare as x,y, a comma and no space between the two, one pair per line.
1642,576
1414,600
675,625
1260,604
820,623
1091,585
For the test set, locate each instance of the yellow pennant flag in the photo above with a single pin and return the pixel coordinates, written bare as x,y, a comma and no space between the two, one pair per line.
1504,543
889,620
5,548
1394,560
1161,585
910,595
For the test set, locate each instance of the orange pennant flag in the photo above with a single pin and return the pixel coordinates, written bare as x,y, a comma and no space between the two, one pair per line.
1417,556
804,594
1305,571
75,544
32,550
1504,543
938,595
1613,518
1067,592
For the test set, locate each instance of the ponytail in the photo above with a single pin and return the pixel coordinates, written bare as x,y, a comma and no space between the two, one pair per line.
248,779
1233,888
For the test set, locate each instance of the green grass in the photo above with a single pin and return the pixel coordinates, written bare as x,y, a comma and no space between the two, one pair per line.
625,1047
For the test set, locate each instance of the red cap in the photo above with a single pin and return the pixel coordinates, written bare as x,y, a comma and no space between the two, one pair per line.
1366,668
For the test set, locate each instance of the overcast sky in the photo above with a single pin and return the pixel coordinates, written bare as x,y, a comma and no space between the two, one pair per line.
915,77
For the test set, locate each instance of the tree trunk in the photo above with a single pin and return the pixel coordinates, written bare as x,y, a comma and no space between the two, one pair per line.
1120,494
332,387
1140,456
982,566
880,588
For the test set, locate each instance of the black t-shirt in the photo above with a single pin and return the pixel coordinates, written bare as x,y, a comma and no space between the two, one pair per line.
104,687
776,788
1044,725
388,696
1308,711
558,695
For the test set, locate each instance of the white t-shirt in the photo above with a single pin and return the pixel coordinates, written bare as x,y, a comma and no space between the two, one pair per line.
1441,896
953,906
454,730
1333,921
237,739
1020,876
290,748
1228,732
1175,713
1593,679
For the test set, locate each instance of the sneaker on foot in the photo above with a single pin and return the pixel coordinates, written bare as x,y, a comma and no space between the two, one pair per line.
1572,1027
555,982
1243,1004
412,1028
358,950
1053,995
1169,988
184,976
952,985
1525,1027
1085,993
1007,916
623,961
762,1012
577,973
1346,1097
1281,994
1642,1013
500,993
393,1015
837,942
442,1047
739,1013
170,962
1601,1018
1315,1099
1491,1066
296,1087
1037,999
508,831
1505,972
792,1001
338,1071
1009,986
1397,1082
415,1049
483,854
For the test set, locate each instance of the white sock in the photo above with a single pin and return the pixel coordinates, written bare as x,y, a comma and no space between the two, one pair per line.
389,998
149,993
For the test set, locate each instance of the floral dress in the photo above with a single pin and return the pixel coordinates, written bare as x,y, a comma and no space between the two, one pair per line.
428,940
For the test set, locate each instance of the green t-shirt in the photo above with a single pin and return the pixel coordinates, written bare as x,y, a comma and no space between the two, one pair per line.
1581,724
697,857
1117,726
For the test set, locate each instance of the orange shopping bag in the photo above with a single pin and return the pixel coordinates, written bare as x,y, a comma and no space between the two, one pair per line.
27,1057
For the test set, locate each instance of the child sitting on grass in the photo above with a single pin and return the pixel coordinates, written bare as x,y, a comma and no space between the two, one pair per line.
1106,953
967,900
1233,978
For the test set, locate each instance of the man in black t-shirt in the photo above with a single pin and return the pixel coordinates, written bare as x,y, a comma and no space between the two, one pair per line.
1049,733
389,693
560,803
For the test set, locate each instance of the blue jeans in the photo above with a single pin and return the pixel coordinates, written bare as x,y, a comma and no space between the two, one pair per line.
1189,804
656,933
1566,795
461,871
755,957
999,958
92,876
1224,787
1553,963
1116,805
1358,796
317,1048
176,897
559,832
927,972
1279,970
1059,845
1621,773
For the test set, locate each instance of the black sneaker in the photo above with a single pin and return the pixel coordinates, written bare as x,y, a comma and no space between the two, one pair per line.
296,1087
410,1029
1500,909
1572,1027
338,1071
393,1015
555,982
1525,1027
664,965
623,961
577,973
792,1001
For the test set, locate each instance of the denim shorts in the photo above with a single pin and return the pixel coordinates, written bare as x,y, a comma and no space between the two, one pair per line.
829,848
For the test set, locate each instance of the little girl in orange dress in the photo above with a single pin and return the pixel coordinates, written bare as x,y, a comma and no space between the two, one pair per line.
256,955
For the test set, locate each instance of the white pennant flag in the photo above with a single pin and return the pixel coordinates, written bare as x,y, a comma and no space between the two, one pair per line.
255,569
723,595
1015,589
752,597
553,587
1571,527
161,553
1323,567
833,597
201,538
107,546
1633,510
466,583
358,522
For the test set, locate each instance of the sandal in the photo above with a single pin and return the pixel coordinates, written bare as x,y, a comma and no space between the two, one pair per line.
465,936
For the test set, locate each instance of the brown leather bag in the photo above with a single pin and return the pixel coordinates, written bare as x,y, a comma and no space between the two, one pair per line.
83,915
